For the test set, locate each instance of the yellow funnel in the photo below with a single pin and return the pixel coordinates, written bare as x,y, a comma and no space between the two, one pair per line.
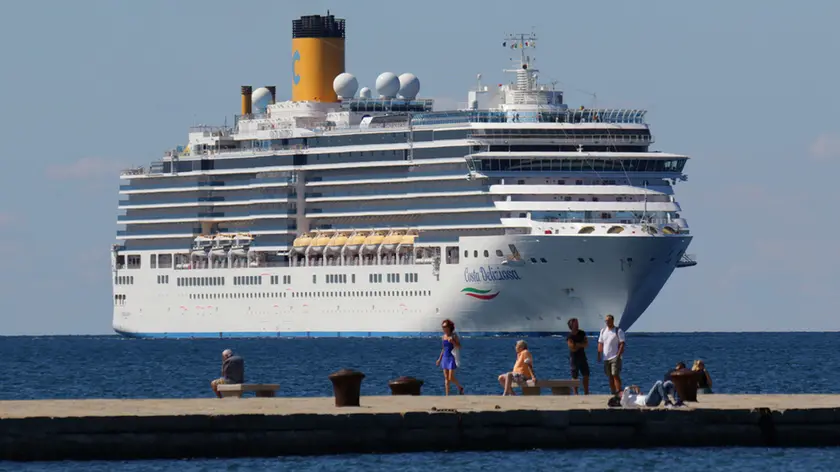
317,57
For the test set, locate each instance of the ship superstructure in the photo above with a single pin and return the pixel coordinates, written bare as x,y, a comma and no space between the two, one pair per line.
340,213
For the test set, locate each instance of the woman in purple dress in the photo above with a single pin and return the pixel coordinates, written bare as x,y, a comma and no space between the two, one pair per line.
446,360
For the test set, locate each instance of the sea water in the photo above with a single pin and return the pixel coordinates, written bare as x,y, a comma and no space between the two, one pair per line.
114,367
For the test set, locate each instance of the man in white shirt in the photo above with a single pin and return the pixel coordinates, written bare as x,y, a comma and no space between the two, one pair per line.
611,348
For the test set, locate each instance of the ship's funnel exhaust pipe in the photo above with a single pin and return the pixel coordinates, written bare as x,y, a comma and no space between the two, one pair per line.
273,90
246,99
317,57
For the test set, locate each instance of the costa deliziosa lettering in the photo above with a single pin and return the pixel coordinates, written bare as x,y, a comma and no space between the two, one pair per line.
490,274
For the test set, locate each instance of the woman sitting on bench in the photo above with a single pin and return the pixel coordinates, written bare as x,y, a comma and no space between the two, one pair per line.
523,369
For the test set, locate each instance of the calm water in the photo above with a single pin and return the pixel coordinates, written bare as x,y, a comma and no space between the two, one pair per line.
112,367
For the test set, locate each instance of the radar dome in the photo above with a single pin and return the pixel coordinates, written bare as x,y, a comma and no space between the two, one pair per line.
365,93
409,86
345,85
387,85
260,100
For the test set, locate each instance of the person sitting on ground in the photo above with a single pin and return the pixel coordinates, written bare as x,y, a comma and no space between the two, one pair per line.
704,383
523,369
632,396
233,371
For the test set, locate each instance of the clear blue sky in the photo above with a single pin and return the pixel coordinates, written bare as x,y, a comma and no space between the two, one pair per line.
747,88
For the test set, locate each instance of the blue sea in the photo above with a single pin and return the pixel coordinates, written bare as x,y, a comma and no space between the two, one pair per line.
114,367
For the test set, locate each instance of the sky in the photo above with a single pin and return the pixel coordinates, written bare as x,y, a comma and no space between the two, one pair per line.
748,89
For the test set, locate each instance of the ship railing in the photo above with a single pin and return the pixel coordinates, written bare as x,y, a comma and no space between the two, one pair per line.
641,139
221,130
615,221
134,171
687,260
454,117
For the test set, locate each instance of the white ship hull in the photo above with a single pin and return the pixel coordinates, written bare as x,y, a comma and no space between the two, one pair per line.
620,275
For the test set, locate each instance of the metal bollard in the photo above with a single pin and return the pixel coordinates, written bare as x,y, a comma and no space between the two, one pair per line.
347,386
405,386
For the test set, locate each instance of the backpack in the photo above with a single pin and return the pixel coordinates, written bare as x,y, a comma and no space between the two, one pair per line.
614,402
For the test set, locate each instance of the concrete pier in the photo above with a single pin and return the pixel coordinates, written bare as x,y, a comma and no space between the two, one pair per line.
191,428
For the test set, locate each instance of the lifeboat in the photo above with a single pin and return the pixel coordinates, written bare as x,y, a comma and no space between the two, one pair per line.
408,239
241,244
392,240
319,242
337,242
221,243
354,243
374,240
302,242
201,246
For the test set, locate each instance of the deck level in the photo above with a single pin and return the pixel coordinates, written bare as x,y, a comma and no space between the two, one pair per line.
191,428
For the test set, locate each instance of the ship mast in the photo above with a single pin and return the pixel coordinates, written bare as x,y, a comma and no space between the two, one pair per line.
525,73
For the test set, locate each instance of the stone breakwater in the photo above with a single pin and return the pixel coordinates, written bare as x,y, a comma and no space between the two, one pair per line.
147,429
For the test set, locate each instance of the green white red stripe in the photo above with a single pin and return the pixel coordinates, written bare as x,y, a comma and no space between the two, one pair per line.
480,294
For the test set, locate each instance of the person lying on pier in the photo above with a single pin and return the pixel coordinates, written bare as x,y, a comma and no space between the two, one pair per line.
523,369
233,371
632,396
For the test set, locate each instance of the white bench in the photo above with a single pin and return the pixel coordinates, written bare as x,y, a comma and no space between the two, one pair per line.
237,390
558,387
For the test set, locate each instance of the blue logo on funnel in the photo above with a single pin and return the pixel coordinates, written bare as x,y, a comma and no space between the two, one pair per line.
295,59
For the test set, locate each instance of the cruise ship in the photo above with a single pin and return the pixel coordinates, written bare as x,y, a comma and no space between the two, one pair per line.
350,211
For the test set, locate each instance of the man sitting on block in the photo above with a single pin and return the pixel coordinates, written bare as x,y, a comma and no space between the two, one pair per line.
233,371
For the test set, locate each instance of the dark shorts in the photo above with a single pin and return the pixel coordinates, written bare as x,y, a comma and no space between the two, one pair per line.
579,366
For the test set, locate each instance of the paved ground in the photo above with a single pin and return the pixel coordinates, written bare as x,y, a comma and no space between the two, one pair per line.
386,404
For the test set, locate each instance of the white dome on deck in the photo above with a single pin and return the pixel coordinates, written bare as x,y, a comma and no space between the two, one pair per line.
409,86
260,100
387,85
365,92
345,85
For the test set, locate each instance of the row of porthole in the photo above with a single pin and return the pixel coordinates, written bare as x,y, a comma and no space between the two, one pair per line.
375,293
619,229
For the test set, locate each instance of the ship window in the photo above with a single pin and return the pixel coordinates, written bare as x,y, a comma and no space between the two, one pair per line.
353,278
534,260
542,259
466,254
153,261
314,278
499,253
452,255
591,260
475,253
581,260
486,253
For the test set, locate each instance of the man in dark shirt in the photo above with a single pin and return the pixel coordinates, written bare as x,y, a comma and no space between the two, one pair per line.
233,371
577,354
680,366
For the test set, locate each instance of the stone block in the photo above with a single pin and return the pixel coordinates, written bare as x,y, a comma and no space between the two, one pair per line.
532,437
436,420
807,416
807,435
485,438
606,417
734,416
